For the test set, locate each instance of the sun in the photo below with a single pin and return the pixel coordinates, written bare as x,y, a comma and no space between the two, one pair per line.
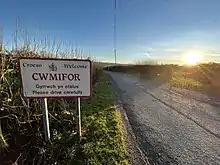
192,58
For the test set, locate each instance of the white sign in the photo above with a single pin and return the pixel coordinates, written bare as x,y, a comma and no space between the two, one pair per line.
44,78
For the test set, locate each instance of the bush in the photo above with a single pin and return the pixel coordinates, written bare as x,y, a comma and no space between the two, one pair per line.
22,138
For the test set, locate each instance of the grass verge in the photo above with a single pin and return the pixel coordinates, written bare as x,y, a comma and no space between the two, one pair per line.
183,82
103,141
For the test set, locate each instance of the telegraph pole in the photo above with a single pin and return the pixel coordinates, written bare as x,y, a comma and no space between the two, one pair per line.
1,40
114,26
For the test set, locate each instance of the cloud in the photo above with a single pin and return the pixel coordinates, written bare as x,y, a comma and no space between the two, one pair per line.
150,49
148,55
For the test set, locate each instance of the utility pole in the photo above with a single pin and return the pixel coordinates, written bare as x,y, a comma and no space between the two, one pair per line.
1,40
114,26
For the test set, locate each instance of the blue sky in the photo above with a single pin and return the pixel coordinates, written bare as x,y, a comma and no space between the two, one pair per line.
161,30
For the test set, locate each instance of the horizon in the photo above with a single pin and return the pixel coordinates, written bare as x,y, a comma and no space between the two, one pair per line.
161,31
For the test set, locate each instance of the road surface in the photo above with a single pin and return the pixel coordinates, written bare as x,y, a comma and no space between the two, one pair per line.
170,128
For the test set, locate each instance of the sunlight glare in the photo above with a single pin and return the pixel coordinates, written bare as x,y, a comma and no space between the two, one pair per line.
192,58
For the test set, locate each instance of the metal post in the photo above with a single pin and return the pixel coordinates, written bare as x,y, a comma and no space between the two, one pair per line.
45,119
79,116
115,50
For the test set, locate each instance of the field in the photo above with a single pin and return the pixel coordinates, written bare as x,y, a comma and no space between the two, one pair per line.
202,77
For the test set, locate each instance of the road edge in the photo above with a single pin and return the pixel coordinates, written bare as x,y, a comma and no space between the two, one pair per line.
136,156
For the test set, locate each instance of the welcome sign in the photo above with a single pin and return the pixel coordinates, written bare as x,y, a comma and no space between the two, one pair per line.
49,78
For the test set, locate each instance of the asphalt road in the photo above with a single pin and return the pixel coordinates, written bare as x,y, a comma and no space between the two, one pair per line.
171,128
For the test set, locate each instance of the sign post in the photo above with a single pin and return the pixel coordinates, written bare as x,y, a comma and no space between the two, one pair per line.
45,78
45,120
78,116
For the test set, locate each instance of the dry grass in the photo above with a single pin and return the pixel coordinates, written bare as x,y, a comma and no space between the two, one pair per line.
21,135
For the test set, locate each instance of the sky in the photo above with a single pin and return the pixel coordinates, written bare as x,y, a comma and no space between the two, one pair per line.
158,30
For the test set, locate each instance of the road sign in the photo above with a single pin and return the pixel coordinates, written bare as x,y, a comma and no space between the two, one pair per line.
49,78
52,78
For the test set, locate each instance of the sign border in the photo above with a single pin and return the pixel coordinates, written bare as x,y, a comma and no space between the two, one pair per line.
58,59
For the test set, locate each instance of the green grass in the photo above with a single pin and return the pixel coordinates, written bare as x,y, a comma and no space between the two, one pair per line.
103,141
183,82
